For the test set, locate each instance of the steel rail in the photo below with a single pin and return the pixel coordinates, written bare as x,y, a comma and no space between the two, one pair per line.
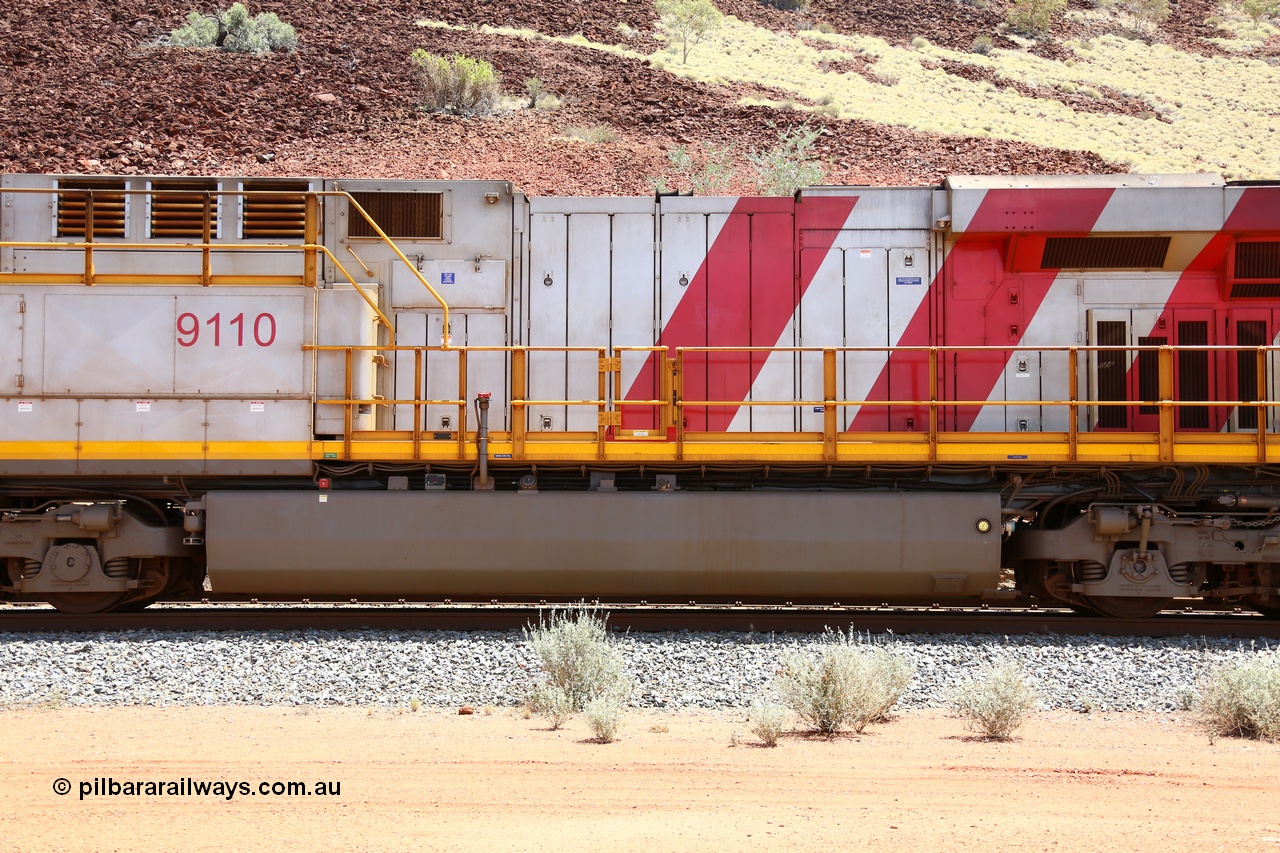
20,618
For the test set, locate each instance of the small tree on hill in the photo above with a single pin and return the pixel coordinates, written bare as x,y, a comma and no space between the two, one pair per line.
1260,10
1034,17
687,22
1147,14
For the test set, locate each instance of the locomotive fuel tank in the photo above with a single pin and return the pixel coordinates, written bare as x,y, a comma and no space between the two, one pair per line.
763,546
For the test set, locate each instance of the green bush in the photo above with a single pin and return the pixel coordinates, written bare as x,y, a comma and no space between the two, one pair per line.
604,716
710,172
851,683
982,45
535,89
552,702
1244,700
789,164
998,702
235,31
581,662
768,721
1034,17
459,84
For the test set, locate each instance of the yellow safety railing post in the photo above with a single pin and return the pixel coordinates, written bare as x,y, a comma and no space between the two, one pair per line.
1261,391
1166,403
519,415
88,237
206,250
829,409
677,401
417,406
933,404
311,236
349,407
463,396
1073,405
604,368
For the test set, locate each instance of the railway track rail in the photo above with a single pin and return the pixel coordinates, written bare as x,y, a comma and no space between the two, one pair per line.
209,616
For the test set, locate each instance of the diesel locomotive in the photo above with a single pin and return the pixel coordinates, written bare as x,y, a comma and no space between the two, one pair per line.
1057,390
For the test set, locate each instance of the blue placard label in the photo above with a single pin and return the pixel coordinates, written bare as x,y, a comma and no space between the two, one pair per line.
502,456
909,279
447,278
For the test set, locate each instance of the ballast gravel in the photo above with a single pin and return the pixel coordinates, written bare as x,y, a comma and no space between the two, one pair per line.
670,670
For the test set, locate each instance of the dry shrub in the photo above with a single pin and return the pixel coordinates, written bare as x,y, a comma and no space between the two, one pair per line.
998,702
581,662
852,682
1244,700
459,84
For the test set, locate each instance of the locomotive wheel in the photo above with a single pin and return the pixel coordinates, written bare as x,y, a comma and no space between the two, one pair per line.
83,603
1267,605
1127,607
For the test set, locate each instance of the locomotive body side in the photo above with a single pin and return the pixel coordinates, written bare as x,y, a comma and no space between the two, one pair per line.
853,394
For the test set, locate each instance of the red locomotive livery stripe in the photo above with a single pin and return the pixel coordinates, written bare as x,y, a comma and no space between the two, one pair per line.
976,262
1200,286
744,294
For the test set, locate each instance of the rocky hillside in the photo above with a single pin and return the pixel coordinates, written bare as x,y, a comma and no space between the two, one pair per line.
91,87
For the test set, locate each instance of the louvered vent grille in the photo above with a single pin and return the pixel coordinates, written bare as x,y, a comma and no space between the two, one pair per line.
1270,290
401,215
1258,260
1249,333
1193,373
108,208
1104,253
177,209
1112,366
279,216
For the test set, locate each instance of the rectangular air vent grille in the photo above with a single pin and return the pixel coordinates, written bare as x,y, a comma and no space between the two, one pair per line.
1104,253
177,209
1259,290
1113,364
108,208
1257,260
1249,333
401,215
282,215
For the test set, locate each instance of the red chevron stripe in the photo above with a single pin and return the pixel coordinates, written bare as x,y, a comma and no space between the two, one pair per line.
976,257
1258,209
744,294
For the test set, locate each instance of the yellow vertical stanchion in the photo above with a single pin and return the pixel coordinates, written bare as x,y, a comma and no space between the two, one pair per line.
349,413
1262,408
417,406
677,397
1073,407
829,404
311,232
519,366
603,370
88,237
462,403
933,404
1166,404
206,231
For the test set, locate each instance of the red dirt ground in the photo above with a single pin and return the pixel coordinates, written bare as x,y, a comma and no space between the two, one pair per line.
437,781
